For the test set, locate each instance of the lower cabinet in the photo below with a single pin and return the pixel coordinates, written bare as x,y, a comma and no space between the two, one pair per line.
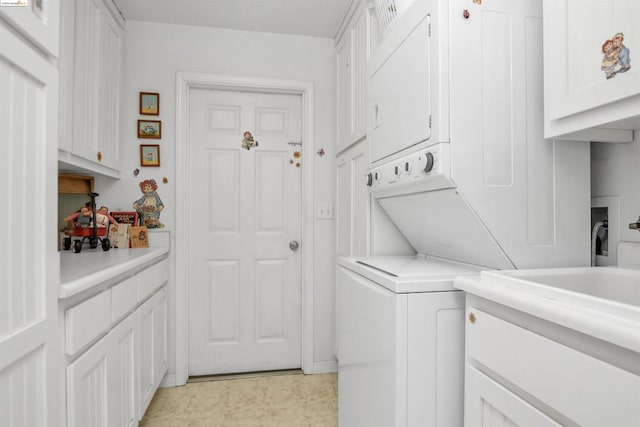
114,369
489,404
153,346
101,384
521,372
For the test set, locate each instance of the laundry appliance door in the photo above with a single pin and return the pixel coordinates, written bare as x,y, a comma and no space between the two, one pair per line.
371,376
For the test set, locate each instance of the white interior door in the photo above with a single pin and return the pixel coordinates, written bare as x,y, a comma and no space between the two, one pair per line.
244,210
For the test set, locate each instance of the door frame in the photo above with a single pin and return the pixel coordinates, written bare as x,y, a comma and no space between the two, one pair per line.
185,81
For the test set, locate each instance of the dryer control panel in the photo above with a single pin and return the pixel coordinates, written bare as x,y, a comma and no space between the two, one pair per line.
423,170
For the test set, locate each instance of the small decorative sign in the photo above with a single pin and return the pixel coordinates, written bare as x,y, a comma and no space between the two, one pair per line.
130,218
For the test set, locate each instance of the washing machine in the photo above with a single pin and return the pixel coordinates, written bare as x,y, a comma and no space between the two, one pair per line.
400,341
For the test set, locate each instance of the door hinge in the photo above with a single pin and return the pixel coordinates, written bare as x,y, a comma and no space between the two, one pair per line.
429,121
429,29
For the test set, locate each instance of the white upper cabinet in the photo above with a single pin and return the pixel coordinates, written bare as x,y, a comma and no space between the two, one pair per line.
352,54
592,83
90,73
37,20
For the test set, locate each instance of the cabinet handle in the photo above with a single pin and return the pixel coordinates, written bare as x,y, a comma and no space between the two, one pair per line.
472,317
99,156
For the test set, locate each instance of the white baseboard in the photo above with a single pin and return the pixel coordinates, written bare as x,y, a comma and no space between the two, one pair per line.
170,380
327,367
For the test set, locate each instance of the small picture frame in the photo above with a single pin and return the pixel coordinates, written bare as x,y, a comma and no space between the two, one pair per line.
150,155
149,103
150,129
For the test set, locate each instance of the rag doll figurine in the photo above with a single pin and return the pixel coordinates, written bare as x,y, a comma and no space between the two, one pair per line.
149,205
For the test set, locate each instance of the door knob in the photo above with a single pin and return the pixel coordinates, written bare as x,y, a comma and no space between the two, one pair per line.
294,245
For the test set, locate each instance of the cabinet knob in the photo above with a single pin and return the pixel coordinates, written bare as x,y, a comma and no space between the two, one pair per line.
99,156
472,317
466,14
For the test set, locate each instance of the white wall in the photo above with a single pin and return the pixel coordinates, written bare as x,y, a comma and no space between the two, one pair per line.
615,173
153,53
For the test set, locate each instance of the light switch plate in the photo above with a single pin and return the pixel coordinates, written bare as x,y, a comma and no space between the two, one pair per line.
325,211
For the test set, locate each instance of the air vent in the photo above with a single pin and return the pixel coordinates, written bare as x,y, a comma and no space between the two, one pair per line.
386,12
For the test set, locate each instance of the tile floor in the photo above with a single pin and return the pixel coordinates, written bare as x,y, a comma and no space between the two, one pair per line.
285,400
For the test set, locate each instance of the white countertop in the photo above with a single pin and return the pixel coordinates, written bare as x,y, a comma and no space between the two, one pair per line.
82,271
603,318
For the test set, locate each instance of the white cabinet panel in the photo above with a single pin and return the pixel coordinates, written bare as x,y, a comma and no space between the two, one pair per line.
101,383
124,297
352,206
588,82
352,54
37,20
585,390
91,68
29,370
152,318
86,321
491,405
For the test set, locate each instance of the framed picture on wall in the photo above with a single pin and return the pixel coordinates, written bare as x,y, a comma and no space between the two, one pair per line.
150,103
150,155
150,129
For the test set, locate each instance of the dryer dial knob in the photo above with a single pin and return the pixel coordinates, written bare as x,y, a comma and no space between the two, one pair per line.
426,162
368,179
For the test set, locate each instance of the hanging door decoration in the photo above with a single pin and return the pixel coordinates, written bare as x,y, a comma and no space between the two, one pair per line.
248,142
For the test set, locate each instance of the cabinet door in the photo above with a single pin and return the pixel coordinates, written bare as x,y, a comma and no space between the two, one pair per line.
488,404
579,74
90,63
87,24
153,346
359,77
29,369
123,408
37,20
352,207
108,123
343,63
101,383
351,60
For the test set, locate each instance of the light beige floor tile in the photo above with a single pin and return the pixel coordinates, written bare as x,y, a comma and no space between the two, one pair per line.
279,401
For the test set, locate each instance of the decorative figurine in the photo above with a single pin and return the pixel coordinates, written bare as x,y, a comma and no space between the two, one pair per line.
149,205
248,141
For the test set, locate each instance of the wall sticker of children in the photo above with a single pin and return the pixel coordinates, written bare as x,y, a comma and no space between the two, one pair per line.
616,56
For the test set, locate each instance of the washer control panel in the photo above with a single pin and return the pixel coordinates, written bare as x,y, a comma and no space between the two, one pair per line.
427,167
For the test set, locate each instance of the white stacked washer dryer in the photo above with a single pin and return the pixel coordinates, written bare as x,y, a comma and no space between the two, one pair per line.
460,164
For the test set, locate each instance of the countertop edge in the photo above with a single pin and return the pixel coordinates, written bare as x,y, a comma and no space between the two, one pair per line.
74,287
619,331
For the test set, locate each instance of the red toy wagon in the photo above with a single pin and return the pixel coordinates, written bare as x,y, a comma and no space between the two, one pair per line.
86,226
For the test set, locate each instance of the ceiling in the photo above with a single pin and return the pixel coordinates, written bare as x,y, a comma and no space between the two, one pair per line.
314,18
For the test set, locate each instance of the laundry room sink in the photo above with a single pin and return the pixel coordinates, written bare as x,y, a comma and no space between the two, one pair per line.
600,301
599,286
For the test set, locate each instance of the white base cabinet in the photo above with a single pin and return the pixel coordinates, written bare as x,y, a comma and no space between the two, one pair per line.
153,346
116,348
101,384
523,371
